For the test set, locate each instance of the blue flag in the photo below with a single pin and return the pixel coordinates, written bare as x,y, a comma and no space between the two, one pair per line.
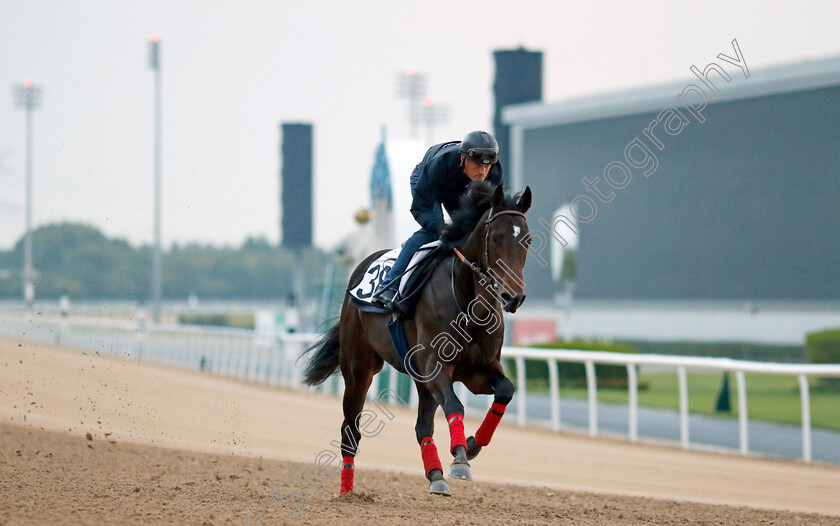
380,177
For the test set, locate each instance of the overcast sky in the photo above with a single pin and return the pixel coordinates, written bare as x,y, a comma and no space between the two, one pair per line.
232,71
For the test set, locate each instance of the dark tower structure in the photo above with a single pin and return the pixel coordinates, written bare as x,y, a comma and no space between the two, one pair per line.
296,184
518,79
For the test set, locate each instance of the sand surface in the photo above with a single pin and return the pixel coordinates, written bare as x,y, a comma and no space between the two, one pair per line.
168,446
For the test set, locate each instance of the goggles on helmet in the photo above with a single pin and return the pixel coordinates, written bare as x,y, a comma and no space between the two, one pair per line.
483,155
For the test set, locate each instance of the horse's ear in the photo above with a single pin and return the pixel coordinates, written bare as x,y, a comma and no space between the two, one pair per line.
524,202
498,198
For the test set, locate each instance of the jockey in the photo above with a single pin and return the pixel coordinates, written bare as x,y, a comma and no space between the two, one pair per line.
441,179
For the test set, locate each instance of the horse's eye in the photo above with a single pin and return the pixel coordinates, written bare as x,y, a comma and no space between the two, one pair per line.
496,238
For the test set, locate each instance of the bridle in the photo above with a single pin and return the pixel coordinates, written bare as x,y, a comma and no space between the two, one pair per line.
484,274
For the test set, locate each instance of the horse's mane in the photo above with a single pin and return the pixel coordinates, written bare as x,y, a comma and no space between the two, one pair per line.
474,203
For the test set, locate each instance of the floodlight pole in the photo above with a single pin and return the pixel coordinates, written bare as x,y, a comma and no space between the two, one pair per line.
412,86
433,113
28,97
157,278
28,281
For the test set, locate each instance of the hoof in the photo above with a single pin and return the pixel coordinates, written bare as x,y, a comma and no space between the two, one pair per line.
473,449
460,470
439,487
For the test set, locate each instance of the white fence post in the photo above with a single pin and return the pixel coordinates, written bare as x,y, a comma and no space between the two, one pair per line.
743,430
804,395
413,397
554,393
521,391
683,381
632,403
463,392
393,375
592,390
294,372
340,388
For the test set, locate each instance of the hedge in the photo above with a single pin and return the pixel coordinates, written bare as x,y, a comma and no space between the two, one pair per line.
239,321
757,352
824,347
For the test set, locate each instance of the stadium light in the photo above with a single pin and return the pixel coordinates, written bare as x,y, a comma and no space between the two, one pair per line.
156,278
28,97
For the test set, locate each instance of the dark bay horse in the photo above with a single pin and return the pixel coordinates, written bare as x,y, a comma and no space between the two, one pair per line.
455,334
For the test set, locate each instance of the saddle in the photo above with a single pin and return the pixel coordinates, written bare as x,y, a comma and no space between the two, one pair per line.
411,284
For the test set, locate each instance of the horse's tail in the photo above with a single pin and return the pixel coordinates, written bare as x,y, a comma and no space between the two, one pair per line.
325,360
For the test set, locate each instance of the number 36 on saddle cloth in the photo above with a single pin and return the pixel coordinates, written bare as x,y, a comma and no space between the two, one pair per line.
419,271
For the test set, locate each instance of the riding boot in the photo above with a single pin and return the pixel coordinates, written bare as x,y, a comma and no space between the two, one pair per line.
384,297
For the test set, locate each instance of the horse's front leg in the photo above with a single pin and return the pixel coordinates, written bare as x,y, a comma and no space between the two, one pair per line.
425,429
460,467
502,389
443,391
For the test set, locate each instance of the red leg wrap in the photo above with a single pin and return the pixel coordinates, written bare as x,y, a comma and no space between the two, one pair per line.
456,432
430,455
347,473
485,431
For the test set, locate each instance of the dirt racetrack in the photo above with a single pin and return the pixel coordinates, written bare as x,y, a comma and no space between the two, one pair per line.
93,439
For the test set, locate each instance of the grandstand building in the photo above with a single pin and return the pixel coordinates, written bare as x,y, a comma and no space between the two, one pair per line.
724,186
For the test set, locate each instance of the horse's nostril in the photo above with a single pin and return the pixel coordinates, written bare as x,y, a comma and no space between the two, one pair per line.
507,298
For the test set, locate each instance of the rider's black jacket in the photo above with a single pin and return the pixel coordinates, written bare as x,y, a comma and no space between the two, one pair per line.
442,180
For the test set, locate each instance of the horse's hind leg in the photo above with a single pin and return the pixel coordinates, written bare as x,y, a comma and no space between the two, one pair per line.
358,370
425,429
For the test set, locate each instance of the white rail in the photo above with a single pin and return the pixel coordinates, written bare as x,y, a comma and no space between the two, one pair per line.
681,364
230,352
244,354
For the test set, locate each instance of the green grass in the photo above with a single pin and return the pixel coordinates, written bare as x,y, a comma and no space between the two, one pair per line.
770,398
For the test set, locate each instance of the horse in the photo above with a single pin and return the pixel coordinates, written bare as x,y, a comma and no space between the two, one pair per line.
455,334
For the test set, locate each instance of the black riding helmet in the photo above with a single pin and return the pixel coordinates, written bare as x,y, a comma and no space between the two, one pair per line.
481,147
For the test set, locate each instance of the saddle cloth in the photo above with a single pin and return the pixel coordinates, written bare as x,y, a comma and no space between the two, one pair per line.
376,271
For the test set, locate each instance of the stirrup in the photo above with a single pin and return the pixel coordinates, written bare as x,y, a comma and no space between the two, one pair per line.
384,298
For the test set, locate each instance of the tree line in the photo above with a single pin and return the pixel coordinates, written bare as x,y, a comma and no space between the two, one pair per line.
79,261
